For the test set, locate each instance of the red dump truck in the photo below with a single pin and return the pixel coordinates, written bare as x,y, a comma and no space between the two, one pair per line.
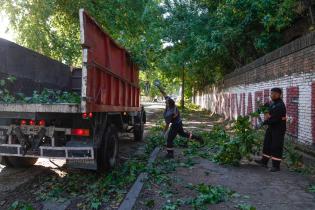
85,134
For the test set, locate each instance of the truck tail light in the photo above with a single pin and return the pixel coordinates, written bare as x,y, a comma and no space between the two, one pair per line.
80,132
42,123
23,122
87,115
32,122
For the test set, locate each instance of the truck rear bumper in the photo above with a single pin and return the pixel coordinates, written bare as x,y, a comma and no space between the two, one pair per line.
70,153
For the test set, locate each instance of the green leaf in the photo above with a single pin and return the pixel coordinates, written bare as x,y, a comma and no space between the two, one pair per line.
245,207
150,203
312,188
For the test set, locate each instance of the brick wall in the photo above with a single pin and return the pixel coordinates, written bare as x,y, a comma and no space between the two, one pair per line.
291,67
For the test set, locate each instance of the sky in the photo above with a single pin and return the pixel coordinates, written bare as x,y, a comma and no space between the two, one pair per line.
5,33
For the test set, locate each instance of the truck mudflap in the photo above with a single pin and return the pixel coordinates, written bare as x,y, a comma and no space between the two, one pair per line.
69,153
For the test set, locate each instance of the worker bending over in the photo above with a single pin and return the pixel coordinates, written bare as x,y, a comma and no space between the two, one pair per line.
274,136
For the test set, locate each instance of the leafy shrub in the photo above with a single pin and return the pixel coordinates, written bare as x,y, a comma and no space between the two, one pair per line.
242,144
192,106
229,153
153,141
159,126
293,159
217,136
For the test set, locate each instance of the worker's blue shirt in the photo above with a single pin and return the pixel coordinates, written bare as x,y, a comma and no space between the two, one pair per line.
171,115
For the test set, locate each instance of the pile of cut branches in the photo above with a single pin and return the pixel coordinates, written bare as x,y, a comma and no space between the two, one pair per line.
242,143
45,96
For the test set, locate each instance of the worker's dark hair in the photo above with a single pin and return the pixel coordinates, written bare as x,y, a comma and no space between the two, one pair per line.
171,103
277,90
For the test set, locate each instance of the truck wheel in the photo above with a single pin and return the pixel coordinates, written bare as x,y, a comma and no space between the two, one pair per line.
4,161
110,148
144,115
21,162
138,128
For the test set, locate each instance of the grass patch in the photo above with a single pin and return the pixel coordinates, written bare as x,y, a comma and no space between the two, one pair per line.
294,160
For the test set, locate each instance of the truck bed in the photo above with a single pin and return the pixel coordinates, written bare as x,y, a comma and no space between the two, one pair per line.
52,108
108,80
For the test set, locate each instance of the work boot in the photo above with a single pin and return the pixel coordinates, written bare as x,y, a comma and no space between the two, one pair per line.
170,154
275,166
274,169
263,162
199,139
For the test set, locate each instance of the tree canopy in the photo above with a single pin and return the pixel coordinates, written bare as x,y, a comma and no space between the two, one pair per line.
205,39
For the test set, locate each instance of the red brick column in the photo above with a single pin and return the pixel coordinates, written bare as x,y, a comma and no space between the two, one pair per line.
227,105
233,104
239,104
292,110
313,111
243,103
249,104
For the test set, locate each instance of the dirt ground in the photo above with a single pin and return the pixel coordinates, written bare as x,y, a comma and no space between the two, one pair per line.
252,185
255,185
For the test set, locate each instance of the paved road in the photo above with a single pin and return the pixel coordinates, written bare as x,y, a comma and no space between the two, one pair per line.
11,178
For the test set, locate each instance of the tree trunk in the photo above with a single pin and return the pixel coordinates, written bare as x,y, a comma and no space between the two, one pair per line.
182,102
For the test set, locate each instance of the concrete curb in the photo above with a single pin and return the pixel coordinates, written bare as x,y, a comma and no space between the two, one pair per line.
136,188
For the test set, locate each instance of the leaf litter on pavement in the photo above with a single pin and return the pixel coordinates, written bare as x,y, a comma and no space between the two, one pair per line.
94,190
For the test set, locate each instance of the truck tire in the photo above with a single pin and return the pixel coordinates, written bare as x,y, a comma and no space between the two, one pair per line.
21,162
4,161
144,115
109,148
138,128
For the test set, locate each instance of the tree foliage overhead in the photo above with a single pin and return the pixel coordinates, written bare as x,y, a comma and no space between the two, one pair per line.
51,27
212,38
205,39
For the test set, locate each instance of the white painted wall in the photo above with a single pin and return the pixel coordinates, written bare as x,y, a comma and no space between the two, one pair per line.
209,99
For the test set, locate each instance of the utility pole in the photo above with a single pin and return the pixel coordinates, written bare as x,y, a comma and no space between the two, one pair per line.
182,102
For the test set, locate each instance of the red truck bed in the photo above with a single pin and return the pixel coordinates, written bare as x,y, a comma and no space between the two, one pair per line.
110,80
